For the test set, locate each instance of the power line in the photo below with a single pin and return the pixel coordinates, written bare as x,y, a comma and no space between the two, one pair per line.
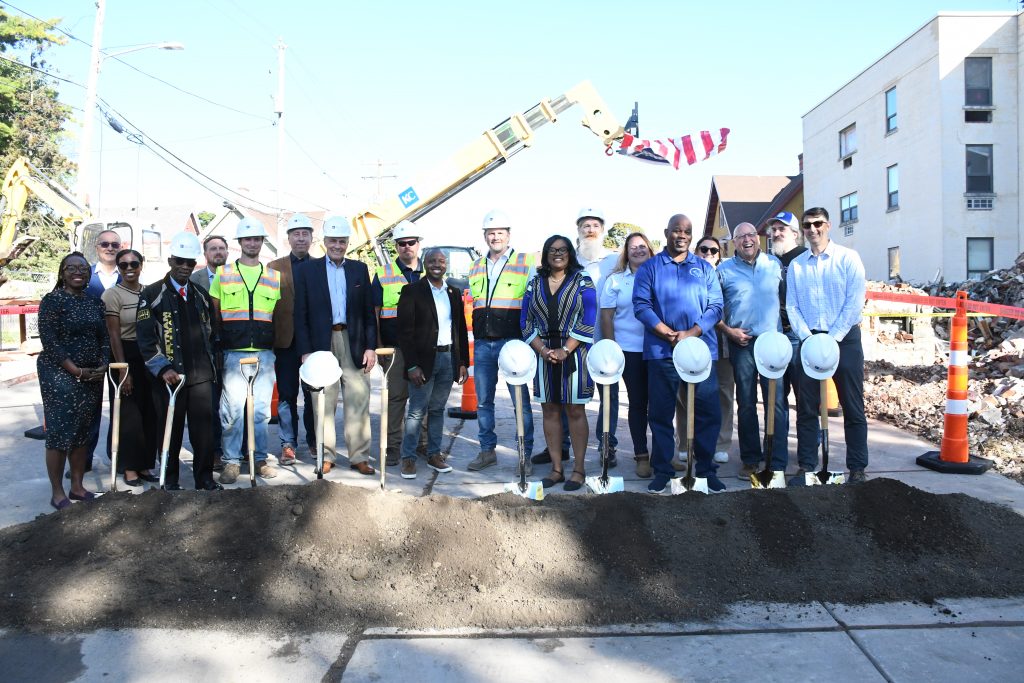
135,68
42,71
313,161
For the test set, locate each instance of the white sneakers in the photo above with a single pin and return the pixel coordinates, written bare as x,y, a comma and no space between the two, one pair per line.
721,456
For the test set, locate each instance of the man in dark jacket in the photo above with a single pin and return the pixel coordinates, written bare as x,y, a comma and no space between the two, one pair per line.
435,348
175,337
334,312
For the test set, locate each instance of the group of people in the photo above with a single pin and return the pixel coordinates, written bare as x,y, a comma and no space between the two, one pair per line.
193,327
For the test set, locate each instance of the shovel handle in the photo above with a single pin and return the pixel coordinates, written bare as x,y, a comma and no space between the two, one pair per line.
606,410
823,406
385,351
769,419
320,433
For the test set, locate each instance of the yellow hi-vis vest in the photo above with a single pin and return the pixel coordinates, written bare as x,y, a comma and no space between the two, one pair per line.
392,279
497,315
247,318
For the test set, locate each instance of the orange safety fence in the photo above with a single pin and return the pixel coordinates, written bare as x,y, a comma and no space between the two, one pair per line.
998,310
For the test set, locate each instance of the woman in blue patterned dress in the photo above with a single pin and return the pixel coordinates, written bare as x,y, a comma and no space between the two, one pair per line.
558,316
71,369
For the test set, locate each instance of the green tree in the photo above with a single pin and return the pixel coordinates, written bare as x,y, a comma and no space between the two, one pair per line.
616,235
204,218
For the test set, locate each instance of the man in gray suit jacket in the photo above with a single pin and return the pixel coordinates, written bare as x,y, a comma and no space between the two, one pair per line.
215,250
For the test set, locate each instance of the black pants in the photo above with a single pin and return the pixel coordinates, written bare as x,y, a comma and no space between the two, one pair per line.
193,402
139,442
286,366
849,379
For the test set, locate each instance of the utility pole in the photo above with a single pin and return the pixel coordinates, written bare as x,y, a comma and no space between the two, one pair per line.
379,177
279,110
85,146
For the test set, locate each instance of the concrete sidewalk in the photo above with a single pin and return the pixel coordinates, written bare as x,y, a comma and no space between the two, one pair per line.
948,640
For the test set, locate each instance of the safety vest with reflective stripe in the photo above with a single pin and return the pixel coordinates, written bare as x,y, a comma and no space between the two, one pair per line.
247,318
392,279
497,316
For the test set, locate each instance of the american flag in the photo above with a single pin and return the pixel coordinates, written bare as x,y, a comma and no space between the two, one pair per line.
691,148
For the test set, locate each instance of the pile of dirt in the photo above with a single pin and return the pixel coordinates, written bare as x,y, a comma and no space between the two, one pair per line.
327,556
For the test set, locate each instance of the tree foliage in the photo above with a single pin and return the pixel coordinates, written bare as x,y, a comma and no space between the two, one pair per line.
205,217
616,235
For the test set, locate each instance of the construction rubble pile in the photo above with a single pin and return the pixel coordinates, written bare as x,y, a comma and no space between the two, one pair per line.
913,396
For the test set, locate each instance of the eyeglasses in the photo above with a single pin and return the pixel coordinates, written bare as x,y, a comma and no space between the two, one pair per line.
109,245
746,235
77,269
558,251
405,243
709,250
184,261
129,265
817,224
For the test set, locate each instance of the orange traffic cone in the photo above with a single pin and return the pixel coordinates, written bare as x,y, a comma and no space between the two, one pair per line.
953,458
467,411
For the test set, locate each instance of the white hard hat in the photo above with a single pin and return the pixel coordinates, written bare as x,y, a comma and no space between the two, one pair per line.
299,221
337,226
518,362
590,212
186,245
819,355
405,230
497,219
772,353
320,370
250,227
606,362
692,359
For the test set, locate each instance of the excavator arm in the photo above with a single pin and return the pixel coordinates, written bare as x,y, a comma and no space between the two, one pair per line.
22,181
474,161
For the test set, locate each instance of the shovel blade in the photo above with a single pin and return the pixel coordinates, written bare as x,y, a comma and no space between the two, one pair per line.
811,479
609,485
688,485
534,490
830,477
774,479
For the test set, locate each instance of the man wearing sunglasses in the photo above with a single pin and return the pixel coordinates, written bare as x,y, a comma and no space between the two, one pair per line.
750,290
388,283
244,295
825,293
175,336
104,271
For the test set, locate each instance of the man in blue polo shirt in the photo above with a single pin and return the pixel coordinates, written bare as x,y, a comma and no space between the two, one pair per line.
677,295
750,290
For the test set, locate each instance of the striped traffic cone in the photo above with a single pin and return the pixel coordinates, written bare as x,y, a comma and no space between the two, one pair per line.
467,411
953,458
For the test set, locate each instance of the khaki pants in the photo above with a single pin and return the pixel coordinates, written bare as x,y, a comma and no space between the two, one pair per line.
355,389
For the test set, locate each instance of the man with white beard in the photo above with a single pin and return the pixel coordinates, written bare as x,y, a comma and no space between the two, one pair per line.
598,261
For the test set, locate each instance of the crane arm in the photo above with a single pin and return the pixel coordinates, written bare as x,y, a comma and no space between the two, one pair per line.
488,152
22,181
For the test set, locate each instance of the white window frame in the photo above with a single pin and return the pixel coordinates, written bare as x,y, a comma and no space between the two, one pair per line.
848,209
848,141
892,187
890,115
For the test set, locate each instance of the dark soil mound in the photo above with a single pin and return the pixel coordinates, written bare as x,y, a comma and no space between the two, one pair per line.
325,556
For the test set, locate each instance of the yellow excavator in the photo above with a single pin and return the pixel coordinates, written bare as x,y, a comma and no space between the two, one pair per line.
493,148
24,180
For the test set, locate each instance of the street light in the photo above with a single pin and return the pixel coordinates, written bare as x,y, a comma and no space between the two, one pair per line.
96,62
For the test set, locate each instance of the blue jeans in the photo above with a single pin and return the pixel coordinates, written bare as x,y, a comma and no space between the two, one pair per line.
429,399
849,379
485,374
286,368
664,382
745,374
232,404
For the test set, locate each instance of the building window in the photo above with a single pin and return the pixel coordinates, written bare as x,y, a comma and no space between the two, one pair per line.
890,110
979,168
892,181
847,141
848,208
978,82
979,257
894,262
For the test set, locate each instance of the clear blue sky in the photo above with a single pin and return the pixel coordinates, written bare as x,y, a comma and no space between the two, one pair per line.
411,82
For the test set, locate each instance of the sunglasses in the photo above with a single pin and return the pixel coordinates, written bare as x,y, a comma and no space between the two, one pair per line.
709,250
816,224
109,245
184,261
406,243
129,265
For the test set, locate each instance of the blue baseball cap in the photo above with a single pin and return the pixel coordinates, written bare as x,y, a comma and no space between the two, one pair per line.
787,218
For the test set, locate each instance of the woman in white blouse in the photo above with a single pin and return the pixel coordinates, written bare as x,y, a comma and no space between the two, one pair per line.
620,324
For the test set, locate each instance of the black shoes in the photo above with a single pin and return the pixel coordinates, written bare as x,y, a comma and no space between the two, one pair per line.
173,487
209,485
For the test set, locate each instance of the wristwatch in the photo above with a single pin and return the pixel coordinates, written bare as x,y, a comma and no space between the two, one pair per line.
566,349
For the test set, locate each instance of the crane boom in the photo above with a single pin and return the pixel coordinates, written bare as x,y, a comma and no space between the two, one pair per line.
492,149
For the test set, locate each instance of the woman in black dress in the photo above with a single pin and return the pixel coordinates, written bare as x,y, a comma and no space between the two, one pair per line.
139,422
71,368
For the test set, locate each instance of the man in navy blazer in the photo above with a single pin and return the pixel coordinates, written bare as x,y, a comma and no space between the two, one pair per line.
334,312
